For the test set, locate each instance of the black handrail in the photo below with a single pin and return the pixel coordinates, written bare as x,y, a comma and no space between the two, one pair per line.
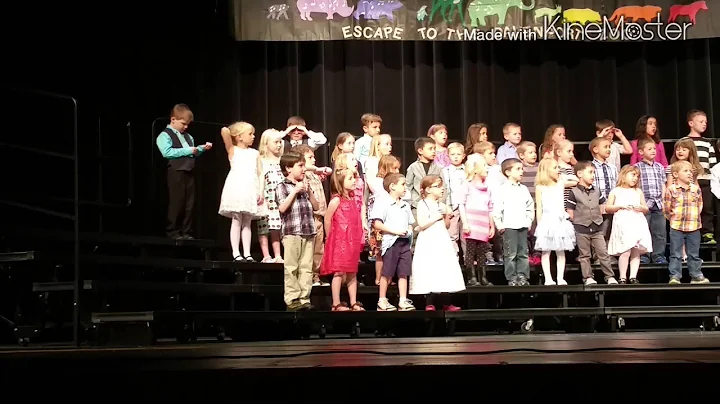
43,152
76,207
38,209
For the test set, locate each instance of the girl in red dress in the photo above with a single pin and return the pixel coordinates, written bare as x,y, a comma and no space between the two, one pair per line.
344,230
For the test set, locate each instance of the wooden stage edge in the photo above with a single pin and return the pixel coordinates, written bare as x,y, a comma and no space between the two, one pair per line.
643,365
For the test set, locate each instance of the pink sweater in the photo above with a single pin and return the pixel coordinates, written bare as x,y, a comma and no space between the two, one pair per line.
660,155
478,207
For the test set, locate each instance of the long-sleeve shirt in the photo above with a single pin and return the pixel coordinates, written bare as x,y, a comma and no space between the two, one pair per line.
314,140
513,207
660,156
362,148
506,151
652,182
164,144
682,206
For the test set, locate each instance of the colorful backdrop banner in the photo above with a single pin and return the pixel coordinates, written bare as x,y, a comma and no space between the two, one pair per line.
474,20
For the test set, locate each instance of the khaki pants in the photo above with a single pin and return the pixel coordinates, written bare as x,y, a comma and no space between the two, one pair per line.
298,259
319,247
455,231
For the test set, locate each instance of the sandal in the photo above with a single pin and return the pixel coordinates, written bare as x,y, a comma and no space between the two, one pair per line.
357,307
340,307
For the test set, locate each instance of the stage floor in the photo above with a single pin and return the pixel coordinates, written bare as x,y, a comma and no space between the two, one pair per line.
617,348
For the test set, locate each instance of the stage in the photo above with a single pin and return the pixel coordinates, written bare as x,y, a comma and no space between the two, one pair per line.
631,363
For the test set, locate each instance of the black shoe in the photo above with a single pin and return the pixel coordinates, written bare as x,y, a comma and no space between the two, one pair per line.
482,277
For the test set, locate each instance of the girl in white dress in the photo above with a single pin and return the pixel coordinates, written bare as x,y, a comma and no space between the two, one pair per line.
270,149
241,195
435,267
554,231
630,236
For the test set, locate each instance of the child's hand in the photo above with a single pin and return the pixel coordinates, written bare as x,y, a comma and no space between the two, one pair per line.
302,128
499,231
402,233
194,150
491,233
260,200
605,131
300,187
208,146
619,133
466,229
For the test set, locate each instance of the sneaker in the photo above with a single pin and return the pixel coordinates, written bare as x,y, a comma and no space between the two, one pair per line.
268,260
405,305
611,281
513,282
523,281
561,282
661,261
549,282
451,308
699,281
674,281
429,307
590,281
708,238
384,305
489,259
644,259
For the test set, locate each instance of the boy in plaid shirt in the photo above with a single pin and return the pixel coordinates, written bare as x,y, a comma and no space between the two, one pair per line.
682,205
652,182
296,203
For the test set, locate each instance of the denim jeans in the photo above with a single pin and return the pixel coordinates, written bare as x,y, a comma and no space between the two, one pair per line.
656,223
515,253
691,240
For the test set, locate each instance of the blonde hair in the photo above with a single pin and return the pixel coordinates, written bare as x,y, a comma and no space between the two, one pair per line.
339,141
238,129
525,146
456,145
341,163
477,166
386,165
679,165
558,146
693,159
482,147
543,178
337,181
508,126
375,145
627,169
269,135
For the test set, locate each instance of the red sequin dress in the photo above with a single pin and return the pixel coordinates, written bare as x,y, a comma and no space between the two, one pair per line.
344,241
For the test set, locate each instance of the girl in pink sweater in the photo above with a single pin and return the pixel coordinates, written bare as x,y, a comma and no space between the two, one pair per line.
647,126
475,205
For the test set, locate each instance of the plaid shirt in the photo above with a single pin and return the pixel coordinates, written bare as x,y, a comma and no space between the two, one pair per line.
317,187
682,207
298,220
652,181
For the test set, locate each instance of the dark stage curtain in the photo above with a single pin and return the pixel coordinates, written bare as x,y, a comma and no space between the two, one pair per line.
127,66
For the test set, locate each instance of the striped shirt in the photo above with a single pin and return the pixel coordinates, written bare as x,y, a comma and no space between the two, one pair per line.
706,154
477,200
528,178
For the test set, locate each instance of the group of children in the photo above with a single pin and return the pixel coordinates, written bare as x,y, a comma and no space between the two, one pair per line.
503,208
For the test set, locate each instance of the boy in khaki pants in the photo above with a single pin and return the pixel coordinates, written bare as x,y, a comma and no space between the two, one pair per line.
296,203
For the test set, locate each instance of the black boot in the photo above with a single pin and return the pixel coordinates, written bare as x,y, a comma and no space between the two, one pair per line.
471,278
482,276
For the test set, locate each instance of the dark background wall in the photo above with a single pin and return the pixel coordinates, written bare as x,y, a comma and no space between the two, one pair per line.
127,65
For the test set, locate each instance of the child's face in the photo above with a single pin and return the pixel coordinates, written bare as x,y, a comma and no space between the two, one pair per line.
247,138
684,176
515,172
514,135
587,176
608,133
398,190
436,190
483,135
603,149
649,151
651,126
481,169
349,183
440,137
310,159
385,146
566,154
348,146
699,123
372,129
554,170
456,154
489,156
631,178
352,163
682,153
297,172
275,146
558,135
428,151
179,125
395,169
529,156
296,133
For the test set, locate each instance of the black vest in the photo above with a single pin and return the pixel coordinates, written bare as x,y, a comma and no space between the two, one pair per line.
182,163
288,144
